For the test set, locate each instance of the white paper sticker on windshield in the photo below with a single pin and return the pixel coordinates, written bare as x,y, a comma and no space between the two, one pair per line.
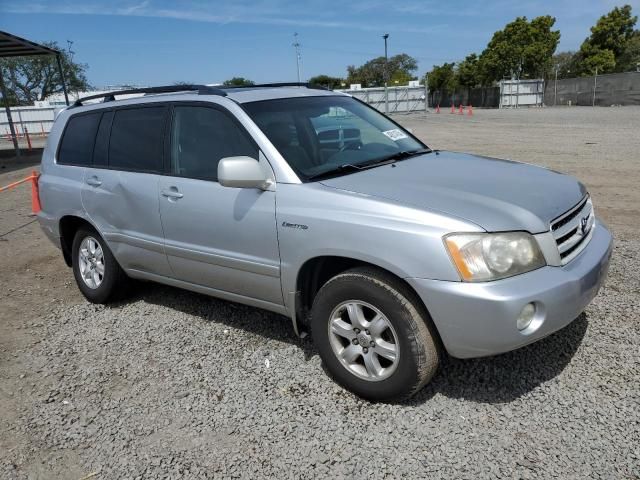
395,134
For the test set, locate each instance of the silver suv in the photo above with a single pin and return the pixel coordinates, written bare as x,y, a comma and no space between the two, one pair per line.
311,204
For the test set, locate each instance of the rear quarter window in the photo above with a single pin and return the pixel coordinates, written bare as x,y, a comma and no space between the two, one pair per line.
76,147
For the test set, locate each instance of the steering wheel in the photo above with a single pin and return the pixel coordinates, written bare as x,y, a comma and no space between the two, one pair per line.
353,143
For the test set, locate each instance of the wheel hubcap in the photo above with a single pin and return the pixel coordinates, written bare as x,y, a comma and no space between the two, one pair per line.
91,262
363,340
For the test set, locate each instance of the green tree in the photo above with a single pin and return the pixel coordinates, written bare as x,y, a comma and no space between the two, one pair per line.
402,67
467,73
566,63
607,47
400,77
372,73
328,81
630,56
238,82
443,78
594,59
33,78
523,49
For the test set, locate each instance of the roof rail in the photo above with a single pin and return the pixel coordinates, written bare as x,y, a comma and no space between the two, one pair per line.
111,96
314,86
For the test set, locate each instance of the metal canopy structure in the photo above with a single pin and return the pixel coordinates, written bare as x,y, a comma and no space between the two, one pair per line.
13,46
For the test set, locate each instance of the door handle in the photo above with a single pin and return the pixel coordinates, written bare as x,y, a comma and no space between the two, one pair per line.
172,193
93,181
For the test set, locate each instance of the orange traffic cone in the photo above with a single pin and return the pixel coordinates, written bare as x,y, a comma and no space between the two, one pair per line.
35,194
453,108
438,108
470,111
461,110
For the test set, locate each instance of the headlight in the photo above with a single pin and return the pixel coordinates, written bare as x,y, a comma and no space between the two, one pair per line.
480,257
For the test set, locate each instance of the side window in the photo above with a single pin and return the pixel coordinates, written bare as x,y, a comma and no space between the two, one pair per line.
200,137
136,139
100,151
79,135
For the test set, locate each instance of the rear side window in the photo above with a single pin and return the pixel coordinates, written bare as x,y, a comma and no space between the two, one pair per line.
201,136
136,139
79,136
101,150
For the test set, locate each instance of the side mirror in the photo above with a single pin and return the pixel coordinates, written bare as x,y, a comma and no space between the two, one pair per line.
242,172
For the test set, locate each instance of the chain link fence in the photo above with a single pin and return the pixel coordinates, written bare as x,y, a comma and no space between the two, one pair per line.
601,90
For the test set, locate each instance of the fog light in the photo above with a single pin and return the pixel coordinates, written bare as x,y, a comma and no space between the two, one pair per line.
526,316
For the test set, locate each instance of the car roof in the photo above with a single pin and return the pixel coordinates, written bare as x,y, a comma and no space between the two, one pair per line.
256,94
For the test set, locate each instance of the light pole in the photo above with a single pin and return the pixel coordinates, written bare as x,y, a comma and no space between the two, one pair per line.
296,45
555,87
595,86
386,80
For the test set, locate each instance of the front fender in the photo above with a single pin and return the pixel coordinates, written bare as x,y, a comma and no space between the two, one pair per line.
314,220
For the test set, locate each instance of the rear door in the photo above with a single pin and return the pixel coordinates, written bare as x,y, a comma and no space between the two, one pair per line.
120,193
219,237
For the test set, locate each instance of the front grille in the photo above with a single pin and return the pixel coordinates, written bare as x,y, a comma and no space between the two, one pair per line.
572,230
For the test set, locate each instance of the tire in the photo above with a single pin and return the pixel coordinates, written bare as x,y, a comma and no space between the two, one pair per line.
107,279
405,351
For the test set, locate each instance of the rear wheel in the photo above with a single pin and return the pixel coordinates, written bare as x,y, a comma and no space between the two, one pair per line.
97,273
373,335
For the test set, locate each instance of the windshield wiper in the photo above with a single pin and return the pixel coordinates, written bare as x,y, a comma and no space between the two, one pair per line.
402,155
333,171
370,164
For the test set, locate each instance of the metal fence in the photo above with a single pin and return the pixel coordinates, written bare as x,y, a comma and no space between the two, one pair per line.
521,93
401,99
35,120
601,90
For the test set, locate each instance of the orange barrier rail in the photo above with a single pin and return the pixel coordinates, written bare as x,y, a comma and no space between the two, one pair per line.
35,193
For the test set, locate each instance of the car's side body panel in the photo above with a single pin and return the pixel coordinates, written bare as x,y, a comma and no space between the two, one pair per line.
123,208
222,238
314,221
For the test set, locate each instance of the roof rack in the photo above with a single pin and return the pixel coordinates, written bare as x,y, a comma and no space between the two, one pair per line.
111,96
314,86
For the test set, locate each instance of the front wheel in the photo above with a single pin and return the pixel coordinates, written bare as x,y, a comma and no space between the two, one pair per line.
373,335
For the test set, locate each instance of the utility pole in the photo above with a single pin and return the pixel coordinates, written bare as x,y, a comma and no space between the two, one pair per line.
555,87
71,52
426,92
296,45
386,75
595,85
64,83
518,84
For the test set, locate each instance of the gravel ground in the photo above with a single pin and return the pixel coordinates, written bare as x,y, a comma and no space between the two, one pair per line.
171,384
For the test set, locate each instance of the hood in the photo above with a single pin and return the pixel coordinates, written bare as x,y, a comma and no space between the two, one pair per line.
495,194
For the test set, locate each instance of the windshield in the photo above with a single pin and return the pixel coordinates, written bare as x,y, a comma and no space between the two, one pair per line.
322,134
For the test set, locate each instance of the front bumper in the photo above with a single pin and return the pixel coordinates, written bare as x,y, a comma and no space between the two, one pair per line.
479,319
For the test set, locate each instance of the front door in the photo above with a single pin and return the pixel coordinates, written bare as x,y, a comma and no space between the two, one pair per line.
218,237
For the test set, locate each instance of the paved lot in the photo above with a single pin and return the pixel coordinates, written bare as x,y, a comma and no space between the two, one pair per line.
171,384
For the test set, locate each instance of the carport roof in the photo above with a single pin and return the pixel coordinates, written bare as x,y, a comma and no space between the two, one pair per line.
12,46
